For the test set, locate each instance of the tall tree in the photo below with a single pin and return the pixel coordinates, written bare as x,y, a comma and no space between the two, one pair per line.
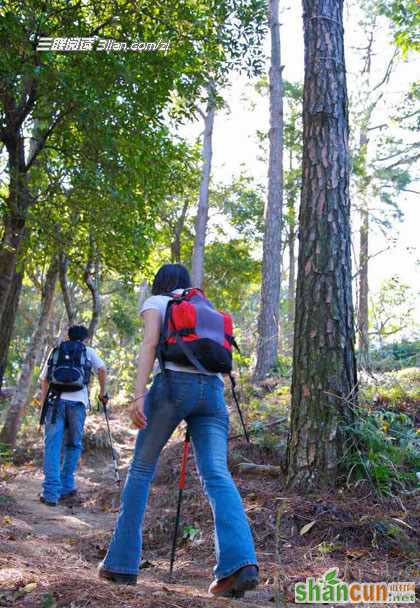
115,100
292,187
197,272
8,321
324,365
268,319
33,355
381,160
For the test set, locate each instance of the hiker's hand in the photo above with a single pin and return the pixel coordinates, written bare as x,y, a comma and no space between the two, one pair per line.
104,398
137,414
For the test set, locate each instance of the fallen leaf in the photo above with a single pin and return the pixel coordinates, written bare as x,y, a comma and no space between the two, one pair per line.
29,587
356,553
404,523
6,520
307,527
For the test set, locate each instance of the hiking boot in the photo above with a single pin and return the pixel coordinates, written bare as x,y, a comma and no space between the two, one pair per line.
236,584
49,503
71,494
117,577
71,498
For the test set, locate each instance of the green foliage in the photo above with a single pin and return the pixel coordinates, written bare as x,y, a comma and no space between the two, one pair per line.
284,366
405,16
392,310
396,355
5,453
393,389
230,270
385,450
190,533
242,203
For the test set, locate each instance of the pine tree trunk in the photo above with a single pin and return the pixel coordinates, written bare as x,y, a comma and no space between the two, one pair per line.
8,321
324,365
363,295
291,285
197,272
33,355
268,319
363,308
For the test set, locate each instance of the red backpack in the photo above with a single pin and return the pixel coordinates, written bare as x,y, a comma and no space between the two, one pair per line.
195,333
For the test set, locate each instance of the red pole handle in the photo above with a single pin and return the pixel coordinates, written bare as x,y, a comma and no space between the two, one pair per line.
181,483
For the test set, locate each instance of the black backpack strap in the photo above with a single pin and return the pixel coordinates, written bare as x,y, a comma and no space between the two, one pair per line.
190,355
163,335
85,363
52,360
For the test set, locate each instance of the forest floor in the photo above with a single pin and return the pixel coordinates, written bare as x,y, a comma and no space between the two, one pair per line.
49,556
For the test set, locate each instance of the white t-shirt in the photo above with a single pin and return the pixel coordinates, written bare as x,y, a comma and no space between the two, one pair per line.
160,303
81,396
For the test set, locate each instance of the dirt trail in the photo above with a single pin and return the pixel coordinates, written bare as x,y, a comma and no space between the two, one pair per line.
59,548
49,556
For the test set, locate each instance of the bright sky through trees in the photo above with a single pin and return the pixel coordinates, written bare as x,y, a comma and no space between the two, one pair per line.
235,140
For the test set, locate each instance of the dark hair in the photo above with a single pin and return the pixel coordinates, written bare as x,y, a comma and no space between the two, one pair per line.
170,277
78,332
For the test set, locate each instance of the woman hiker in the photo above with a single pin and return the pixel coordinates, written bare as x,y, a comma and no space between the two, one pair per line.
198,399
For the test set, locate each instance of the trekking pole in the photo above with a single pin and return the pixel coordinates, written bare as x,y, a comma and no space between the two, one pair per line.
104,402
181,485
235,398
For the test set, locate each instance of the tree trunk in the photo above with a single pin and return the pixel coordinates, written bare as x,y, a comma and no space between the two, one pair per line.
67,296
91,277
14,231
363,304
14,215
8,321
203,203
324,366
179,227
291,284
363,307
268,319
34,353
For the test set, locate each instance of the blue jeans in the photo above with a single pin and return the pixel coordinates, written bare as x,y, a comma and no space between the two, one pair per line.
70,419
198,399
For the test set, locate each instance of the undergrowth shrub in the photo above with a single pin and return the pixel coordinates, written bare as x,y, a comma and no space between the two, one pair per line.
384,448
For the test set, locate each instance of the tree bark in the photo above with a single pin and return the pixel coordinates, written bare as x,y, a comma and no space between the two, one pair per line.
291,285
268,319
178,228
91,278
197,272
34,353
363,305
7,322
67,296
291,245
18,203
363,295
18,200
324,384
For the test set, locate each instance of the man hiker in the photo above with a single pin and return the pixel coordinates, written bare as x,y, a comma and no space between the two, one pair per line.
64,393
